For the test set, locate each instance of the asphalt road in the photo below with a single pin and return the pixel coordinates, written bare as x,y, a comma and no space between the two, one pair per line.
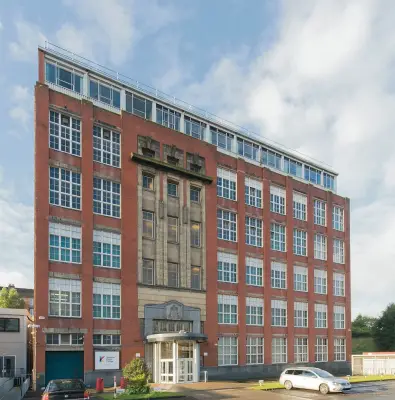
382,391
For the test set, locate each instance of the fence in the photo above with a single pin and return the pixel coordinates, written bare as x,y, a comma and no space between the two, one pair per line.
373,364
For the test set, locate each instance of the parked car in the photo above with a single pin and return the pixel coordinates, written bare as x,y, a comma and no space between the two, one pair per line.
65,389
314,379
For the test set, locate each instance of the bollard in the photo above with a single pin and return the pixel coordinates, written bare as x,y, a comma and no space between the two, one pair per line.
99,385
123,383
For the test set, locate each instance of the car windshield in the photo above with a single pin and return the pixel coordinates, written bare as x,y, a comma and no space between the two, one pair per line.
66,384
323,374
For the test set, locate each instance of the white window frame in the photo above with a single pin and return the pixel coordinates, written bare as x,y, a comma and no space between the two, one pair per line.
301,314
279,350
176,186
62,137
319,212
226,184
301,350
255,350
320,281
339,284
253,192
338,218
227,309
196,189
339,317
167,117
150,270
278,275
60,336
253,231
100,97
107,289
227,267
254,311
320,316
338,251
226,225
321,349
196,234
73,247
301,285
66,292
149,179
107,259
300,242
278,237
339,345
176,269
229,356
278,200
102,335
254,271
320,247
65,188
106,150
72,71
151,215
108,209
299,206
279,312
175,223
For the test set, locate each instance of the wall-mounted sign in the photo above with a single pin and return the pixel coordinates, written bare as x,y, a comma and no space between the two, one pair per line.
106,359
205,354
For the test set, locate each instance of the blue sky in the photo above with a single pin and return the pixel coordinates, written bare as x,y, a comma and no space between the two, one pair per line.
315,76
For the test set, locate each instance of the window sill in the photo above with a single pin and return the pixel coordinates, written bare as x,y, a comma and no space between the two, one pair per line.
62,316
110,268
107,165
65,152
67,208
108,216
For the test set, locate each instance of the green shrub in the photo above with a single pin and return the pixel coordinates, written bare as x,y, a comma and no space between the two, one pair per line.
137,376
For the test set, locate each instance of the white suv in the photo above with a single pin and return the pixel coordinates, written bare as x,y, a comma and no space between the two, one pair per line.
314,379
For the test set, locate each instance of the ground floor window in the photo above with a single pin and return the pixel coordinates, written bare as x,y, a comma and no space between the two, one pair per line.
340,349
279,350
227,351
301,350
321,349
254,350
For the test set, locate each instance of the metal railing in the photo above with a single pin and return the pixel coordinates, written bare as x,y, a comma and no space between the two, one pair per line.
159,95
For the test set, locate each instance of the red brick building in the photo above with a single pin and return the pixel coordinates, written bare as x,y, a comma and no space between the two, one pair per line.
162,232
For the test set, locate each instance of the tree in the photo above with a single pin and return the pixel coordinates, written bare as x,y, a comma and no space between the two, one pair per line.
362,326
10,298
384,330
137,375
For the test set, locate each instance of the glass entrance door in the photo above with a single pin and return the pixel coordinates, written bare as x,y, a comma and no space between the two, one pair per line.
185,362
7,364
166,362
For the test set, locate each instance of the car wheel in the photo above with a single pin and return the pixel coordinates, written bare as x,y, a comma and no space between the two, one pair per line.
324,388
288,385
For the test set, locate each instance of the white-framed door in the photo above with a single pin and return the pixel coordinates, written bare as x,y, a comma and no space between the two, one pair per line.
166,371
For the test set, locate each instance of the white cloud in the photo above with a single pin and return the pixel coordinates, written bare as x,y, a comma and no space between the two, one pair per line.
21,109
325,87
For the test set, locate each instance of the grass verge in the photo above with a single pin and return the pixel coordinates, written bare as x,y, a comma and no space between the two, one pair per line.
268,386
151,395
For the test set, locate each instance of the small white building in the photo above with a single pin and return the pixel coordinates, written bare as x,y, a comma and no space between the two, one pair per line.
15,343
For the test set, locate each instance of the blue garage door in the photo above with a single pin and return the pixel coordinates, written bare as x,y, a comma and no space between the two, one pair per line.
63,365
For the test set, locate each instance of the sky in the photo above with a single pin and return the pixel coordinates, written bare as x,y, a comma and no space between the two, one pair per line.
316,76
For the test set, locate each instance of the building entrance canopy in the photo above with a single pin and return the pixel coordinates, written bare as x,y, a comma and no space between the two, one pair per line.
177,336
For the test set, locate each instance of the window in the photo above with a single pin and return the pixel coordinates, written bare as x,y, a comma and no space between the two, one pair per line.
338,284
148,271
254,271
339,317
321,349
138,106
227,351
300,206
279,313
319,212
9,325
227,267
106,340
253,231
320,247
279,350
168,117
194,128
292,167
301,350
278,275
338,251
64,339
338,218
312,175
221,139
277,237
300,242
320,281
277,200
64,243
340,349
226,184
68,79
195,234
227,309
254,311
105,93
320,315
106,300
172,229
64,297
148,224
64,188
196,277
254,350
329,181
148,182
247,149
172,189
253,192
163,326
301,312
173,279
300,278
106,249
106,146
226,225
271,158
64,133
194,194
106,197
